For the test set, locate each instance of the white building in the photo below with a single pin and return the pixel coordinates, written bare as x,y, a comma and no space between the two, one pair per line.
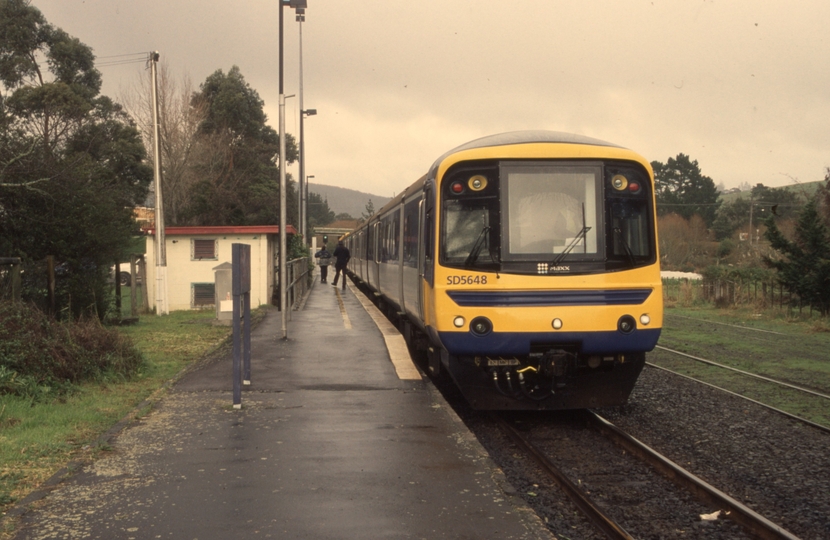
193,253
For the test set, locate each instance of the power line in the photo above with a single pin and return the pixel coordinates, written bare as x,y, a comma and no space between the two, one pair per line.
122,59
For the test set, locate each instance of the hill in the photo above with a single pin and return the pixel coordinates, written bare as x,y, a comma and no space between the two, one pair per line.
805,189
350,201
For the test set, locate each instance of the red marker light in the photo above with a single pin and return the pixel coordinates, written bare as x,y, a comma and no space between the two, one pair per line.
633,187
457,187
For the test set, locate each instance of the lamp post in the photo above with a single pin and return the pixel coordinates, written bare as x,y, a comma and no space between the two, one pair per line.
305,206
303,187
303,218
296,4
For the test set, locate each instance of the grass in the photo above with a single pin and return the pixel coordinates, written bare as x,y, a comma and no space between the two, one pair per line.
793,350
37,439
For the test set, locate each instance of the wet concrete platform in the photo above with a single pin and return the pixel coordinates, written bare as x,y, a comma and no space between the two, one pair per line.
330,443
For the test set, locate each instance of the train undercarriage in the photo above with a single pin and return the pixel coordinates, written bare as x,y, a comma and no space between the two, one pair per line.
550,379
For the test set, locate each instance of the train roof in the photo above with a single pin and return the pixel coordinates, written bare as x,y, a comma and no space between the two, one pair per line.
523,137
500,139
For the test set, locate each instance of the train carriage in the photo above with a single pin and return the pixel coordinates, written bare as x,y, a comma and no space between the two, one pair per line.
527,264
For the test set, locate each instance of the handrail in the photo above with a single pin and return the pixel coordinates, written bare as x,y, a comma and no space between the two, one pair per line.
298,278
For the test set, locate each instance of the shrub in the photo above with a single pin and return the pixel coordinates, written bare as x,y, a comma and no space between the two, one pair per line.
40,356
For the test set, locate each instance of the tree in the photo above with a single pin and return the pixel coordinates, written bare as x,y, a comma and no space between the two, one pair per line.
179,122
824,197
235,157
682,188
730,217
72,165
804,263
369,212
683,242
319,213
784,202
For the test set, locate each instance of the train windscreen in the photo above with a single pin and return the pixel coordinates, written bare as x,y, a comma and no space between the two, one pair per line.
551,210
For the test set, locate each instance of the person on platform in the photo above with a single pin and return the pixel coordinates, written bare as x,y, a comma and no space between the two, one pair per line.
323,259
341,256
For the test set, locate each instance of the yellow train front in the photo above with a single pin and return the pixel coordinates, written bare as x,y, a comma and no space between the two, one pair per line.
535,276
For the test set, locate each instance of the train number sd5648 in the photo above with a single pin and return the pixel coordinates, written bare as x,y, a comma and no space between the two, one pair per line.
466,280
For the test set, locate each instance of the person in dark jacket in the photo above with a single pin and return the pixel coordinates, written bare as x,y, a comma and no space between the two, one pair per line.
341,256
323,259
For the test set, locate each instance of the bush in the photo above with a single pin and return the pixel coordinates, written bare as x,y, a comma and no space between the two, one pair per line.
40,356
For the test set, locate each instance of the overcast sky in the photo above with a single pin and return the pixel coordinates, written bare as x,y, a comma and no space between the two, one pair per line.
741,86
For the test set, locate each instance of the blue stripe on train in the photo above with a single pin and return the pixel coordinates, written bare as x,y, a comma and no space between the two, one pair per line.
518,343
610,297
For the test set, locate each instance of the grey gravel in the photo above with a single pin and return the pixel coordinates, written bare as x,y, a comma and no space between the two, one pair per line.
774,465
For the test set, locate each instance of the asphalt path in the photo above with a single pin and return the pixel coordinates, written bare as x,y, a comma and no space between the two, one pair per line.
332,441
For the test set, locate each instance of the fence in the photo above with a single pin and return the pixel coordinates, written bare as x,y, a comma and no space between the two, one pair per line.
760,294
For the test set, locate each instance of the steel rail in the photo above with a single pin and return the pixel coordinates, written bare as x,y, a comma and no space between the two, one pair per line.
747,373
599,518
755,523
756,402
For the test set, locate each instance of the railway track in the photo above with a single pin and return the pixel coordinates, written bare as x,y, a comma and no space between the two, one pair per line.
800,397
745,398
746,373
601,514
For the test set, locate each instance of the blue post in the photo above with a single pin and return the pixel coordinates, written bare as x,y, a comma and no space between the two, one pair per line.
247,339
241,277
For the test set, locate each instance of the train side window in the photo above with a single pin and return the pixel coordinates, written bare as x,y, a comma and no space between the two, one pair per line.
630,228
410,234
394,245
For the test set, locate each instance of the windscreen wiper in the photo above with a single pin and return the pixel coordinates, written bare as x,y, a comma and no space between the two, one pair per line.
474,253
626,247
570,246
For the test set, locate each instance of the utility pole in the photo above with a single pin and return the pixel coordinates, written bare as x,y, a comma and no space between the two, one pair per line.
162,306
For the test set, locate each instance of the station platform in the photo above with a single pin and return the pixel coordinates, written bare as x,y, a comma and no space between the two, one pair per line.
333,441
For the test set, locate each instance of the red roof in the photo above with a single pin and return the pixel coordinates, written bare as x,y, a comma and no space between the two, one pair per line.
238,229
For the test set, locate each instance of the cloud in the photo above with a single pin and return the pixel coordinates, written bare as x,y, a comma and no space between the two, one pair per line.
740,86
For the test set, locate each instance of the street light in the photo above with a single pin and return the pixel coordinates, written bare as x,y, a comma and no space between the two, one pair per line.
305,206
298,5
303,218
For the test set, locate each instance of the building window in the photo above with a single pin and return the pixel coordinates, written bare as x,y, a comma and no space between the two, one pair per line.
202,249
202,294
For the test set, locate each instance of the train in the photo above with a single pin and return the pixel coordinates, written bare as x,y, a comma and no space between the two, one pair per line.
526,265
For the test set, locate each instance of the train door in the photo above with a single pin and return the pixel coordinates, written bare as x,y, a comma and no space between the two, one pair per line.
374,260
399,240
420,301
426,249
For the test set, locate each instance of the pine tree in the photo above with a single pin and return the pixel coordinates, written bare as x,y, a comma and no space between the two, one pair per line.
804,266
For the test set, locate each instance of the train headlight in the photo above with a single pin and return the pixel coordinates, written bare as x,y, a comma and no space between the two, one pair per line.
645,320
481,326
619,182
477,182
626,324
556,324
458,321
